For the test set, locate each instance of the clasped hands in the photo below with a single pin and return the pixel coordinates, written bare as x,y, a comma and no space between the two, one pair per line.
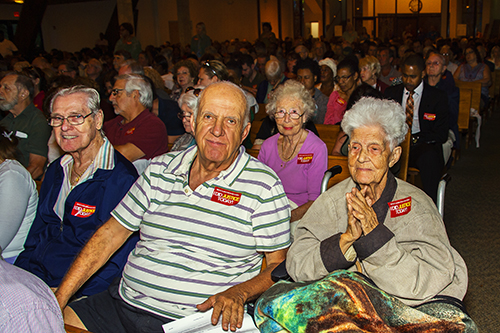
361,217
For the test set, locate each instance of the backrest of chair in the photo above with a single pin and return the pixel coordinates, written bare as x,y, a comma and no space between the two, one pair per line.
262,112
255,129
476,92
405,156
342,161
328,134
253,152
464,108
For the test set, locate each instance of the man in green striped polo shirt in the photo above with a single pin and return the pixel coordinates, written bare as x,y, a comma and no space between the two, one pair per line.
207,216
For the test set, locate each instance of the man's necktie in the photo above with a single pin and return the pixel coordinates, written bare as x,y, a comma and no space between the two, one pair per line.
409,110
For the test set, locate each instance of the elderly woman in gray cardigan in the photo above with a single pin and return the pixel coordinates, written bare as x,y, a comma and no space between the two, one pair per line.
376,225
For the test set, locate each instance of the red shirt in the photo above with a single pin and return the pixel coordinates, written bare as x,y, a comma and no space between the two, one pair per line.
147,132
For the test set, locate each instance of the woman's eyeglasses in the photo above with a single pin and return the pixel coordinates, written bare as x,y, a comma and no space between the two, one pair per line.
196,91
343,78
282,113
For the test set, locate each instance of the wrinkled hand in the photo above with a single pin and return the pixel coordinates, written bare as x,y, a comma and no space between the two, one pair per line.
354,229
230,304
362,209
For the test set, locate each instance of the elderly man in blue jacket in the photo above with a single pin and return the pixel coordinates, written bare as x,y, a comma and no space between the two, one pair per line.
79,191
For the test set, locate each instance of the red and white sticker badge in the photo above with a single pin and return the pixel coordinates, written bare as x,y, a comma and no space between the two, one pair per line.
225,197
82,210
400,207
430,116
305,158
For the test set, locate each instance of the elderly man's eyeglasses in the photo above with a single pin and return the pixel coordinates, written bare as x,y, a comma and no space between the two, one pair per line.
182,115
74,120
343,78
433,63
115,91
292,113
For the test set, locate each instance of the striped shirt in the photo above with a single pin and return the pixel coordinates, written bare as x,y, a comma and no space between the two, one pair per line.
103,160
194,244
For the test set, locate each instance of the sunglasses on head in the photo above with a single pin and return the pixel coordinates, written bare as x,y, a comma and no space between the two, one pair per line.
196,91
207,64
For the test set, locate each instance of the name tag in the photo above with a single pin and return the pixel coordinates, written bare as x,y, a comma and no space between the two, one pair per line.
225,197
400,207
130,131
82,210
430,116
21,135
305,158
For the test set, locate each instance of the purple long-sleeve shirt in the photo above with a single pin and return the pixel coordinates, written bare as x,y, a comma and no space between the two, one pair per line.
301,176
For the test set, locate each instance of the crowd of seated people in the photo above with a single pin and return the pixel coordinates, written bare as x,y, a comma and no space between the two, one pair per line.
106,110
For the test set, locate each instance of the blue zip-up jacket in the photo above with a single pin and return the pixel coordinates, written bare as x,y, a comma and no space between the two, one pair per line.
52,244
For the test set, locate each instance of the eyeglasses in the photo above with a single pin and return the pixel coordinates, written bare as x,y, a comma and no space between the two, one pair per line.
60,72
207,64
343,78
182,115
282,113
115,91
445,54
433,63
196,91
75,120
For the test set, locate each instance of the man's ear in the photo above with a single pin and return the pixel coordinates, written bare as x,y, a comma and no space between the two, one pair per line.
423,74
245,132
99,119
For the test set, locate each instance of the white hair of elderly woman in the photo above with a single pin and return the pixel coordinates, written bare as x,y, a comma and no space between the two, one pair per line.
387,114
292,89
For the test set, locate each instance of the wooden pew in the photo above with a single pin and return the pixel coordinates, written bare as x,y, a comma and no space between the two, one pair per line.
328,133
476,92
73,329
463,121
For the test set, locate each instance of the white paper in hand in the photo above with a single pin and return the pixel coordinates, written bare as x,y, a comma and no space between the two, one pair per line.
201,323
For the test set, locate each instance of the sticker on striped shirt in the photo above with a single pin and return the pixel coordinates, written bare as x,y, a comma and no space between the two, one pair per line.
225,197
82,210
305,158
400,207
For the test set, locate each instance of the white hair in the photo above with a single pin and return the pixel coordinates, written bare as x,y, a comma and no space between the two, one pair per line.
139,83
369,111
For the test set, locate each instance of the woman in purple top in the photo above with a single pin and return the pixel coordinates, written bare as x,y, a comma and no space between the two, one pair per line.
298,156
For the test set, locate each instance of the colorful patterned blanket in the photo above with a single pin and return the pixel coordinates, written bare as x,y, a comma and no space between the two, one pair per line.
346,301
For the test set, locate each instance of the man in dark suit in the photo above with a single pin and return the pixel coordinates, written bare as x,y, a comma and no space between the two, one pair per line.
428,117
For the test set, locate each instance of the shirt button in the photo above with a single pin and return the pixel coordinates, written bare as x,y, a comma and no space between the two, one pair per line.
186,191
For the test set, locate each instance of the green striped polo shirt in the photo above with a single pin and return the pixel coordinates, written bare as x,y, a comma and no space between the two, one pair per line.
194,244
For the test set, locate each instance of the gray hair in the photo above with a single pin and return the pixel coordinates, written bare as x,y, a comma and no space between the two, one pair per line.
93,99
190,99
369,111
273,70
139,83
292,89
246,117
135,67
